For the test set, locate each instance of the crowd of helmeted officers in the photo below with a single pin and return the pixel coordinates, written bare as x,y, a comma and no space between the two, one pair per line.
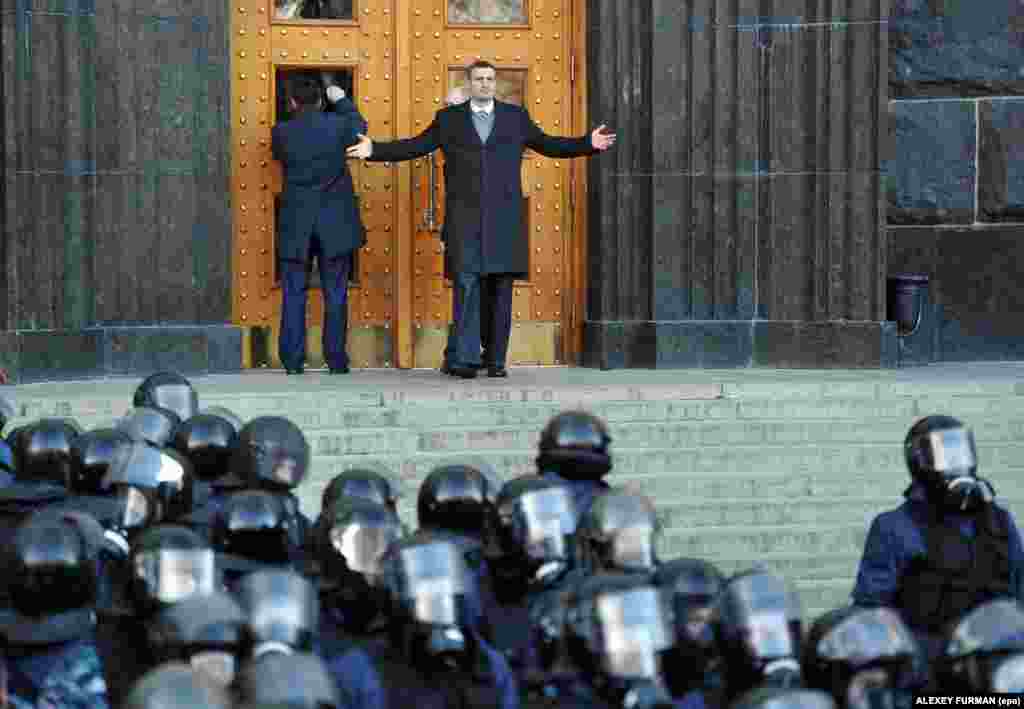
164,563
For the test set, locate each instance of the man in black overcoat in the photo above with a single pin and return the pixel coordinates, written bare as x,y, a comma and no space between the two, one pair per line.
487,244
319,216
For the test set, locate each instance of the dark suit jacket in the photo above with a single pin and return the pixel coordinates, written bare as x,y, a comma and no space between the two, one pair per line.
311,148
483,220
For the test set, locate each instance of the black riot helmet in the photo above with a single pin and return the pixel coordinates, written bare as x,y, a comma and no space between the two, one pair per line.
42,451
618,533
255,525
175,685
92,453
941,455
283,610
272,454
225,413
169,564
148,423
208,441
691,588
984,650
532,531
866,658
759,630
576,446
618,628
784,698
203,630
296,681
453,498
428,584
7,411
153,484
169,391
53,564
367,482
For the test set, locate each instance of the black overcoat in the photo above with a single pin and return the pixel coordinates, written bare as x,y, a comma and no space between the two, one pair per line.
318,193
483,215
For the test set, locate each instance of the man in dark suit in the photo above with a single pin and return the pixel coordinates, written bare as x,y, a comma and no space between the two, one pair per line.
319,217
487,245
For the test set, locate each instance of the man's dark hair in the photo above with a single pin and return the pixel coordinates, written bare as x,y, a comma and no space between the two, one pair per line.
305,91
479,64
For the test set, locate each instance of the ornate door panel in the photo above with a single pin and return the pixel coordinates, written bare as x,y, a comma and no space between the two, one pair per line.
398,59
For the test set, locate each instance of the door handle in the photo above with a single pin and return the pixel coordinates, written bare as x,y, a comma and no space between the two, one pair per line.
430,213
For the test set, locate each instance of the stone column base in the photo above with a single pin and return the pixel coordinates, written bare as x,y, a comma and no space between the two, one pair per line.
108,351
712,344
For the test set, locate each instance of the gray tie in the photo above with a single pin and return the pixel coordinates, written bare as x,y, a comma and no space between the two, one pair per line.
483,122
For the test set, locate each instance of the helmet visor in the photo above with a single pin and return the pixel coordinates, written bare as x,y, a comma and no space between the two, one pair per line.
216,665
634,628
994,626
178,398
137,509
431,577
172,575
363,546
952,450
1008,677
868,635
542,520
633,549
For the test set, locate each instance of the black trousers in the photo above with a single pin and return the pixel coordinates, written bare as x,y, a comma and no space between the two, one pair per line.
482,317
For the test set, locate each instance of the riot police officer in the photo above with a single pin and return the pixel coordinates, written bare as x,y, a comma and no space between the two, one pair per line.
175,685
618,533
167,564
49,654
350,545
272,454
295,680
208,442
949,546
254,530
93,453
432,657
42,469
864,657
575,448
455,499
282,610
693,663
617,630
169,391
204,631
530,533
984,651
758,626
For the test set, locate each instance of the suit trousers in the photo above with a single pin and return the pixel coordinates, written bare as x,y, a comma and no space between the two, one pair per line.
334,275
482,315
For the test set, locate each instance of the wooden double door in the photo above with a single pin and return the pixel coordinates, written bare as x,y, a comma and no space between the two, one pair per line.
399,60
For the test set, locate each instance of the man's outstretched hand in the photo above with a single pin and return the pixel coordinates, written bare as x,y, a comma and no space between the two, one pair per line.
362,150
601,138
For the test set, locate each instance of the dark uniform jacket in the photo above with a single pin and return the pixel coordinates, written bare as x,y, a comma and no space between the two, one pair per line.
318,194
483,213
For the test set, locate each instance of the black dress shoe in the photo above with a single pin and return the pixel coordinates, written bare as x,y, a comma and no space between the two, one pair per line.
294,370
497,372
338,370
445,369
464,372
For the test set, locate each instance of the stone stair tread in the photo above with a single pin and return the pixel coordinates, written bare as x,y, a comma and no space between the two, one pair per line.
711,530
